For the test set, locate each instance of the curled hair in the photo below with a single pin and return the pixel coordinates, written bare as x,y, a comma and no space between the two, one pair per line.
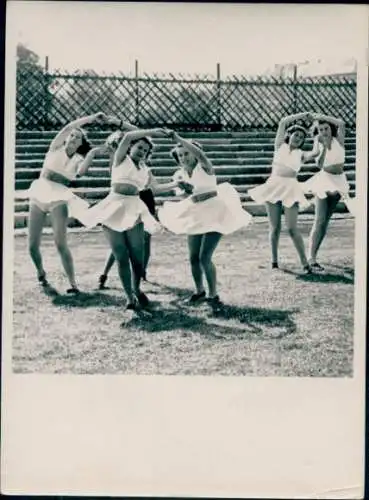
174,152
292,129
144,139
315,130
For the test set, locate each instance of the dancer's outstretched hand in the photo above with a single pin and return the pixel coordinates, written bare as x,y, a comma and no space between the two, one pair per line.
169,133
100,117
114,139
113,120
158,132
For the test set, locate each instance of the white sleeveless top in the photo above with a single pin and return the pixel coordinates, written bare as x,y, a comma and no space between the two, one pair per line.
127,173
58,161
333,156
286,157
202,181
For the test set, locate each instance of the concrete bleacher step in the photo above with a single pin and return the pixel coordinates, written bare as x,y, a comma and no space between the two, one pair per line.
225,174
41,145
236,179
215,152
169,162
95,134
167,172
253,133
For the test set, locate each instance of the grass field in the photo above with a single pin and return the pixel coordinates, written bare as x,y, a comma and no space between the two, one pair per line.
272,324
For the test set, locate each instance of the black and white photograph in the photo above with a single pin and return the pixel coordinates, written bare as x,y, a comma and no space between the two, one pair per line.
187,192
182,223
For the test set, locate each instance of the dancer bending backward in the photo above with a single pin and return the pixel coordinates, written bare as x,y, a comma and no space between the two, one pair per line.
152,188
330,183
124,216
69,156
282,190
209,212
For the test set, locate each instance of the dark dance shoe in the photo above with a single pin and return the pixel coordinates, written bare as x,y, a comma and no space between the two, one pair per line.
102,280
196,298
132,306
307,270
214,301
143,300
73,291
42,280
275,265
316,267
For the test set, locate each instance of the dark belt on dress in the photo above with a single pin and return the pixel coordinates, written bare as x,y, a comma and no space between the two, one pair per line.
197,198
57,178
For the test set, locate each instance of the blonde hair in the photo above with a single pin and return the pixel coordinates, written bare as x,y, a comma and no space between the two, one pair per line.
174,153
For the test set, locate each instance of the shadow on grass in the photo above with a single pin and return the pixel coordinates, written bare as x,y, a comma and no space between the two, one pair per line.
345,269
274,318
208,322
179,292
326,278
84,300
322,277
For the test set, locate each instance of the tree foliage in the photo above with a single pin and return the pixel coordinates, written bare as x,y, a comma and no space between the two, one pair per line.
30,101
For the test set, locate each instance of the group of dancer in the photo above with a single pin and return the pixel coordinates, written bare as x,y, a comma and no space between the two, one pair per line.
204,210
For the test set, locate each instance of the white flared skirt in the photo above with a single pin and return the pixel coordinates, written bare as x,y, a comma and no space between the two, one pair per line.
324,183
47,195
222,214
286,190
120,213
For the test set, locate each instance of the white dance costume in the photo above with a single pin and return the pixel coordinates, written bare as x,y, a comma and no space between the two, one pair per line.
284,189
47,194
122,212
324,183
210,207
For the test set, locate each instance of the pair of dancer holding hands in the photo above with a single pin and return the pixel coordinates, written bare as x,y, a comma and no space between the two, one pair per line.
205,212
282,191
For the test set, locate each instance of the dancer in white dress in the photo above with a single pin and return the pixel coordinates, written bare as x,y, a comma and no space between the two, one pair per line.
282,190
205,215
123,214
151,188
330,184
69,156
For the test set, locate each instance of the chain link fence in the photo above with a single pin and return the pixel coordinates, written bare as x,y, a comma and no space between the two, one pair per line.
46,100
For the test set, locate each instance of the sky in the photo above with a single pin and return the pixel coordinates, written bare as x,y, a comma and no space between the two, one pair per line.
186,38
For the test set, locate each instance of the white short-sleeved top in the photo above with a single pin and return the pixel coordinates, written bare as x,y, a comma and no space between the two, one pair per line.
58,161
286,157
333,156
127,173
200,179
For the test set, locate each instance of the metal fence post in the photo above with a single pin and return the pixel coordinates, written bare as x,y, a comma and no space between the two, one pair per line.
219,102
46,94
137,94
295,100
